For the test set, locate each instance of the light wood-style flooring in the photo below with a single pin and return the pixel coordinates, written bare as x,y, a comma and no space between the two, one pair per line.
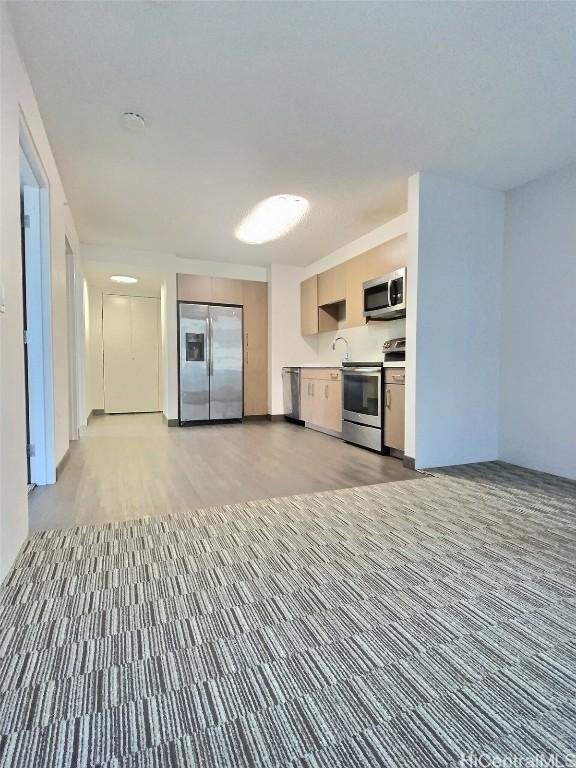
130,466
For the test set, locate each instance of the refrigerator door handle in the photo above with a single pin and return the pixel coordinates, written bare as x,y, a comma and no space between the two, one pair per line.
211,363
208,346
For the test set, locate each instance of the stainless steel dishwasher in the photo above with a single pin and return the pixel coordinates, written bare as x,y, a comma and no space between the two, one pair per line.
291,390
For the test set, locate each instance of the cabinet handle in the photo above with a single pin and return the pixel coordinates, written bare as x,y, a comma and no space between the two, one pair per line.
398,376
333,375
326,391
388,397
312,385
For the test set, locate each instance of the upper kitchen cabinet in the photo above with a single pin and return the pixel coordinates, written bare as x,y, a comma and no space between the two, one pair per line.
226,290
385,258
309,306
194,288
354,292
212,290
332,299
332,285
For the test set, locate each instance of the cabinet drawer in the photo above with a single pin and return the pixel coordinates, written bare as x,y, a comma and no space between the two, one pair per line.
321,374
394,375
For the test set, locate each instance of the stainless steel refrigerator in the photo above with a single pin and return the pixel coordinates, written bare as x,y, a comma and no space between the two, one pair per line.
211,363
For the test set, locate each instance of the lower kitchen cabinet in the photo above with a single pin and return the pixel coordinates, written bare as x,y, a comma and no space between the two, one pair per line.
321,398
331,391
394,408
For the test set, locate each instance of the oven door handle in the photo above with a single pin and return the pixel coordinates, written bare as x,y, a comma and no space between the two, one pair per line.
369,371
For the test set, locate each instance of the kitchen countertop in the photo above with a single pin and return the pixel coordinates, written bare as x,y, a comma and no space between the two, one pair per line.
390,364
313,365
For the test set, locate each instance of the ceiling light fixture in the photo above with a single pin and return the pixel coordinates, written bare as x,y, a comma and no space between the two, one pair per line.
133,122
272,218
123,279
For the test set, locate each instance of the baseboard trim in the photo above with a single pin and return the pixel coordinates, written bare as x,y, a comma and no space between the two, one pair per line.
261,417
62,463
275,416
291,420
95,412
170,422
409,462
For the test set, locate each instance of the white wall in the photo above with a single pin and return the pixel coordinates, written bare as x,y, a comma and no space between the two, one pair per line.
411,316
364,342
286,346
94,351
390,230
538,385
220,269
458,321
19,103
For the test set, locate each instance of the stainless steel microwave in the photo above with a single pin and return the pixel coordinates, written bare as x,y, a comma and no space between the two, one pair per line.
385,297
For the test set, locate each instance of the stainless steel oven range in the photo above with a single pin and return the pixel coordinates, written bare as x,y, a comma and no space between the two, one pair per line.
362,404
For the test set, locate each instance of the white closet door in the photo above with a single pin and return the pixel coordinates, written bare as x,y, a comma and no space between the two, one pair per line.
131,353
145,353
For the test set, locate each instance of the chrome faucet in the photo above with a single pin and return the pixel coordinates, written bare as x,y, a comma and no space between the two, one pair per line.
341,338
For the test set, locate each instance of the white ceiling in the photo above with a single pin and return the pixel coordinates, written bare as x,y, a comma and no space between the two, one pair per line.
339,102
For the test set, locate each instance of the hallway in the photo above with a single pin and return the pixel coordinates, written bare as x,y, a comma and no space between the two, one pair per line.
130,466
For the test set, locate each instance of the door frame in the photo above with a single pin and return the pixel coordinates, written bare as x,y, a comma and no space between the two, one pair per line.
71,324
37,272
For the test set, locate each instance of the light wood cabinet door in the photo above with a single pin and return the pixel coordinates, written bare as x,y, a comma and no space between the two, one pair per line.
309,306
386,257
255,300
331,406
332,285
307,401
394,408
321,402
226,290
194,288
354,292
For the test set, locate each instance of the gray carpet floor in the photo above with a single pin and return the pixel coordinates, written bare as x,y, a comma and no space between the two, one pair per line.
402,624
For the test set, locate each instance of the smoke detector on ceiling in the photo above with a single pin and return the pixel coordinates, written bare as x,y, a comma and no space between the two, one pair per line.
133,122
